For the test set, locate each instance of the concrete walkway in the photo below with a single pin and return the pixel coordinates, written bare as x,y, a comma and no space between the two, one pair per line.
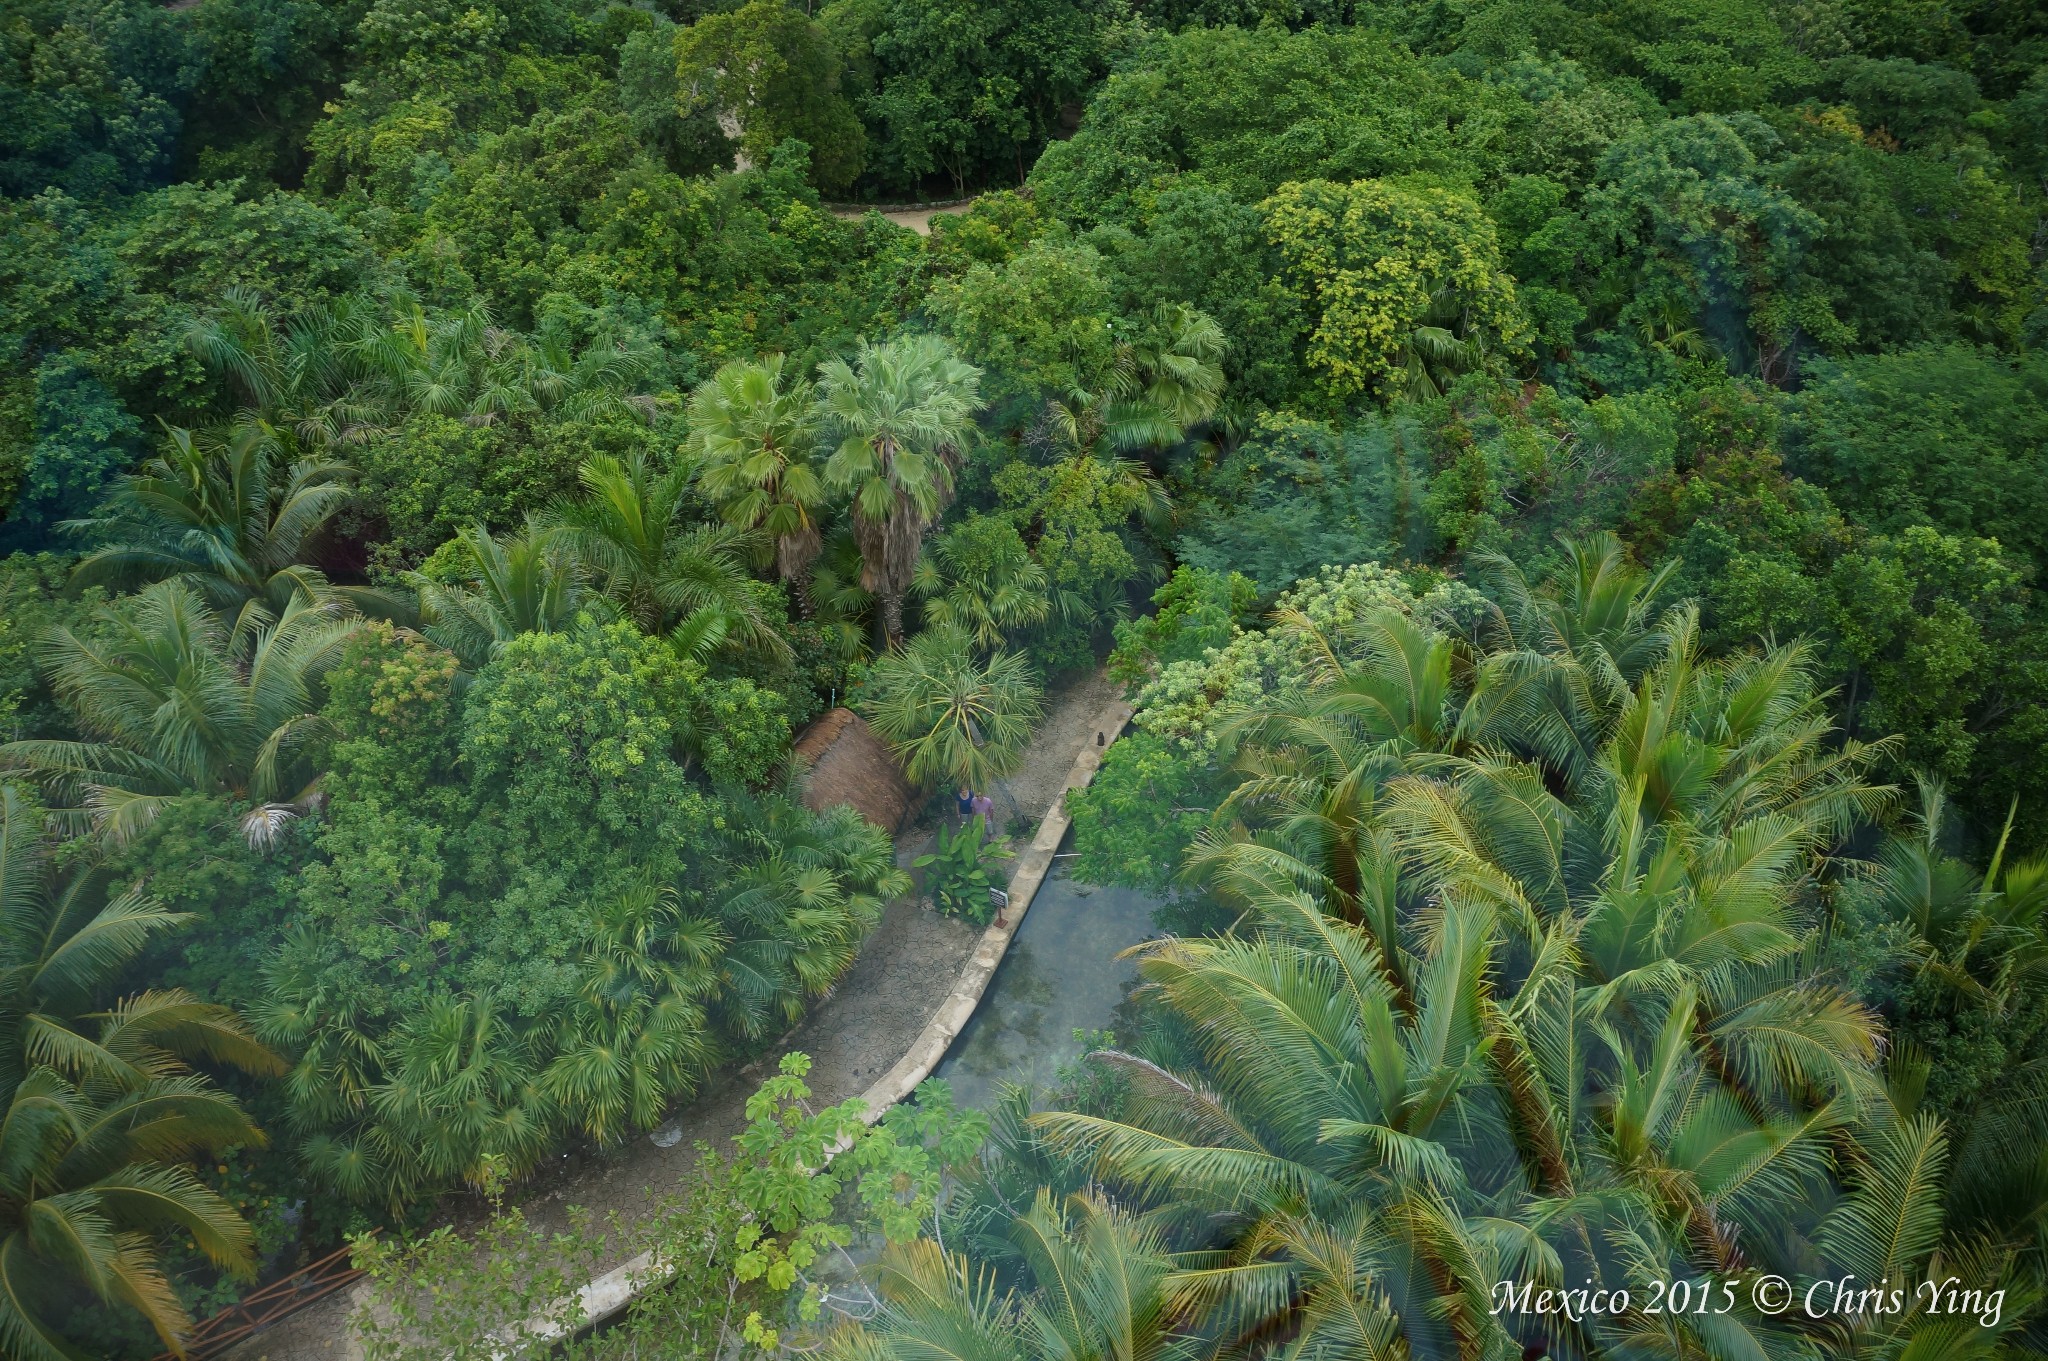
881,1030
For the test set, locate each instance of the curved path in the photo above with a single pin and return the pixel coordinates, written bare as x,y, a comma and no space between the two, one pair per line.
916,216
881,1031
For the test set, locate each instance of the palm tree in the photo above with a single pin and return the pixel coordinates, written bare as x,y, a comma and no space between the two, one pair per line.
980,579
902,413
796,893
1959,921
1655,1065
1373,1170
103,1108
454,1091
1174,365
305,376
628,531
1165,378
636,1038
171,711
844,609
1599,624
1432,351
758,460
949,716
529,582
234,518
1105,1291
463,364
337,373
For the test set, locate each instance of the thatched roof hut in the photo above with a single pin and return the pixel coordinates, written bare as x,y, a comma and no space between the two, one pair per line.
844,762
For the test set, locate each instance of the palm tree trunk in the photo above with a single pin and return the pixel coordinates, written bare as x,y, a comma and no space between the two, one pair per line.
806,604
892,619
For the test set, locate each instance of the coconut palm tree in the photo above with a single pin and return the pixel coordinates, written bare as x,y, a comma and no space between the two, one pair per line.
1105,1290
902,412
103,1108
1654,1066
628,532
233,516
950,716
1372,1173
171,708
753,434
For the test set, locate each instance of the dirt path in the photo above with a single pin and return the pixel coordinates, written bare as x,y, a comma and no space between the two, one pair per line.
918,220
905,970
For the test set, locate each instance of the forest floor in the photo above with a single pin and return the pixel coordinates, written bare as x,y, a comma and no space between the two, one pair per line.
907,967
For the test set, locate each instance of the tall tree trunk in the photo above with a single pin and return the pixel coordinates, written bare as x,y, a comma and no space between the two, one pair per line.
892,618
794,554
806,603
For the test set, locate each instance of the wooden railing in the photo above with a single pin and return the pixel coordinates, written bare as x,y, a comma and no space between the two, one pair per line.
262,1307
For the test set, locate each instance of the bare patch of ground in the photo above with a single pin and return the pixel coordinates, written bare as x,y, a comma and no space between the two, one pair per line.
918,219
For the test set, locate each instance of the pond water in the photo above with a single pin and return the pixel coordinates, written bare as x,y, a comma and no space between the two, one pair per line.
1061,974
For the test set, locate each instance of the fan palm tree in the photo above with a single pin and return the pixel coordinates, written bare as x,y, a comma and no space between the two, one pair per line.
1174,365
103,1108
234,518
628,531
753,435
454,1091
636,1038
796,894
980,580
172,711
950,716
530,582
902,412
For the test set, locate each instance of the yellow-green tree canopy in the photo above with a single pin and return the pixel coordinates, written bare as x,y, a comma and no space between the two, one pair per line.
1398,282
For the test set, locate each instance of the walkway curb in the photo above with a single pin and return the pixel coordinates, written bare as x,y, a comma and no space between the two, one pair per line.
1033,864
610,1294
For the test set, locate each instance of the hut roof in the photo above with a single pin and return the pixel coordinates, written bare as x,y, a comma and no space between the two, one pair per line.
844,762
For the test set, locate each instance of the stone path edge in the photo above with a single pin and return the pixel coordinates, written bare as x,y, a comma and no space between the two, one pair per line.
607,1296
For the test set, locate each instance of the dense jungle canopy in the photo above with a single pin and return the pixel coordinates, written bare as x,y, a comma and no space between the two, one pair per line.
1564,483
